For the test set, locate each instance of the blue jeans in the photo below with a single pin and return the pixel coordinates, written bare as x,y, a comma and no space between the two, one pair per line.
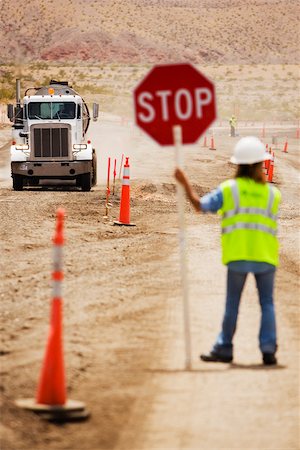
267,333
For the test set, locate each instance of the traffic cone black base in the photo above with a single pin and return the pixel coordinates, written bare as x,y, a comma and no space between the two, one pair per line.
71,411
116,222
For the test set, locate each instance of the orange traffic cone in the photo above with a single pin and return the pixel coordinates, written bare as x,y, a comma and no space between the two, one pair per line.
204,142
285,148
51,401
271,170
212,144
51,389
124,218
268,162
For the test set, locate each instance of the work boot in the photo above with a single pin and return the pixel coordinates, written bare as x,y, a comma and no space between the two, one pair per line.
215,357
269,359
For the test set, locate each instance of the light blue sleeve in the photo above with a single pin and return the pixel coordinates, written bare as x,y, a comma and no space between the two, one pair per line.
212,201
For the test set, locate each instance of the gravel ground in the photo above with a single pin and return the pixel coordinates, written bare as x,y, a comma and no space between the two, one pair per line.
123,339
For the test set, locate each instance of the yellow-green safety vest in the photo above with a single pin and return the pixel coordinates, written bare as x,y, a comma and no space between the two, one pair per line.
232,122
249,221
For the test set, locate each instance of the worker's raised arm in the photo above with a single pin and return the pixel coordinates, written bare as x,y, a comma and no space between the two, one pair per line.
191,195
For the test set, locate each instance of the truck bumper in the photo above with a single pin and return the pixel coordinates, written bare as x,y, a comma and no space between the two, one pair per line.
64,170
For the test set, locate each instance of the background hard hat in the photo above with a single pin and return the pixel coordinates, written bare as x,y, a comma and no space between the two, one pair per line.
249,150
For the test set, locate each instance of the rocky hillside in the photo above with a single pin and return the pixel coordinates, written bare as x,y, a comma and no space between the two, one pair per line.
137,31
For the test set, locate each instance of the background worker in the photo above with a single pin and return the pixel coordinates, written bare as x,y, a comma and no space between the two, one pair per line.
248,206
232,123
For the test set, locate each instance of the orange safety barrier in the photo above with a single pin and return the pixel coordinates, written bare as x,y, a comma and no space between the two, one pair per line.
285,147
51,398
124,218
115,173
204,142
107,189
266,161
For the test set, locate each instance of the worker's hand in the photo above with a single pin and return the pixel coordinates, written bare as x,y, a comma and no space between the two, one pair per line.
191,195
180,176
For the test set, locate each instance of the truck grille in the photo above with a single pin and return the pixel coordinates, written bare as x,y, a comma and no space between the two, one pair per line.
50,142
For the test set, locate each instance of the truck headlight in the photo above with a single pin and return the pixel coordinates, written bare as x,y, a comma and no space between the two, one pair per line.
22,147
79,146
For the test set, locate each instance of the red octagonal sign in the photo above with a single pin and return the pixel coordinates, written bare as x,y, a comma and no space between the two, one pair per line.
176,94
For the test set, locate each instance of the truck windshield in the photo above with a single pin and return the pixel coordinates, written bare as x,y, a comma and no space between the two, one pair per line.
51,110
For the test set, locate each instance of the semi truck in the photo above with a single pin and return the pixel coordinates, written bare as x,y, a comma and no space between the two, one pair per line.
49,137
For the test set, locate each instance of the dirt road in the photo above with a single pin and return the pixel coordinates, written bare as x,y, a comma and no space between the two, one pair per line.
124,349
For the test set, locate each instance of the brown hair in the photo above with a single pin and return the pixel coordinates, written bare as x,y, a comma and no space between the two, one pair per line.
253,171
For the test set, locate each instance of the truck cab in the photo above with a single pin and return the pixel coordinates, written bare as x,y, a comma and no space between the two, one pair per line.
49,137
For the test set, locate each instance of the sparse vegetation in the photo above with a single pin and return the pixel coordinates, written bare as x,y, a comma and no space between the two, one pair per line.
112,84
6,94
91,45
151,31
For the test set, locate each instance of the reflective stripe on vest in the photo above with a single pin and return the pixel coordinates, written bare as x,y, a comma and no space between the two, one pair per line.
250,210
248,226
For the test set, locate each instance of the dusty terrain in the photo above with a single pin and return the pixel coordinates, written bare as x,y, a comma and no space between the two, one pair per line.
123,325
135,31
124,350
252,92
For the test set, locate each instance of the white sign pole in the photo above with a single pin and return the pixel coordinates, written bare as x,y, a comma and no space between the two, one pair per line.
177,139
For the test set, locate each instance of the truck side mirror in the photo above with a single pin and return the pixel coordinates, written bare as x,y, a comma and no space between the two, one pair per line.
10,112
95,111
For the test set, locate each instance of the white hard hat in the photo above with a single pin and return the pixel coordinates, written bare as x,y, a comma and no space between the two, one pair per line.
249,150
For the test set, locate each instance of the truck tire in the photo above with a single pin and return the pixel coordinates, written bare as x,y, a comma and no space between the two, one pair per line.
86,182
17,182
94,168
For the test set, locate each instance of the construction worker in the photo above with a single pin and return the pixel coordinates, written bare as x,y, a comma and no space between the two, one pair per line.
232,123
248,206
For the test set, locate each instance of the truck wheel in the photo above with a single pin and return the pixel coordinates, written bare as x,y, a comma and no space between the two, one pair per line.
86,182
17,182
94,168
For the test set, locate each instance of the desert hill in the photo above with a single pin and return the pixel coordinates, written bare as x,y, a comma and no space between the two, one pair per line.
137,31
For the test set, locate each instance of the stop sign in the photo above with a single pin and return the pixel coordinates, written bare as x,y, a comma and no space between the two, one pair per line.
174,94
